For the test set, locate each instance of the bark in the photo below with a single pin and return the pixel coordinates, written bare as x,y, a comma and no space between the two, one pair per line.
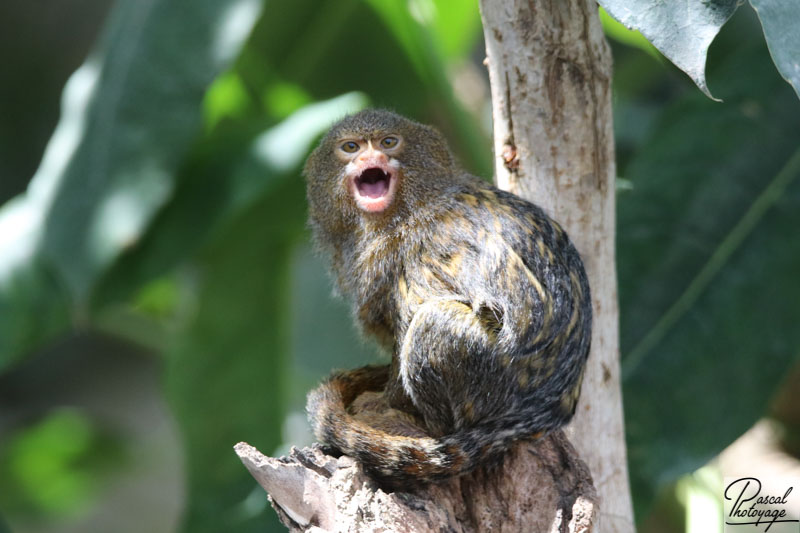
541,486
550,72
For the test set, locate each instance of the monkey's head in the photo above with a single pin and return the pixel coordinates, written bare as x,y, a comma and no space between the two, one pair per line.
377,166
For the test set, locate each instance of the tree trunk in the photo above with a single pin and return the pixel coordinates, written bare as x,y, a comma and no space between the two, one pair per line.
550,72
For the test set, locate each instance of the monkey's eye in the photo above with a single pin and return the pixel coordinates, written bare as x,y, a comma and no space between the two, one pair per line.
389,142
350,147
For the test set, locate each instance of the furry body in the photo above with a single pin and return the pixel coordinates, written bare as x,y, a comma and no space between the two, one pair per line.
479,296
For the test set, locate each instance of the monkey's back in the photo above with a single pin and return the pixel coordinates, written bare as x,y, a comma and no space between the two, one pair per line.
489,253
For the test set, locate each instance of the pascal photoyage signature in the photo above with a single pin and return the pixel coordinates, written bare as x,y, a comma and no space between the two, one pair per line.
762,509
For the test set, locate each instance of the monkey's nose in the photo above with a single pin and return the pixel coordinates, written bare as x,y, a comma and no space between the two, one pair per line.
372,157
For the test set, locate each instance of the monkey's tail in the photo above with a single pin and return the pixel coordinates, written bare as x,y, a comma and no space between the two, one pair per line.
397,459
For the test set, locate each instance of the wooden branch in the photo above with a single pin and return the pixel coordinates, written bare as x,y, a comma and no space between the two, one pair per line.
541,486
550,72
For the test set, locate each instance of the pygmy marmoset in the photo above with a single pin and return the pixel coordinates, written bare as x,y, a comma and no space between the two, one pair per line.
480,297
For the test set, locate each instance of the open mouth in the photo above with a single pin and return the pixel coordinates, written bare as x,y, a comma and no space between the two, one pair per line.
374,189
373,183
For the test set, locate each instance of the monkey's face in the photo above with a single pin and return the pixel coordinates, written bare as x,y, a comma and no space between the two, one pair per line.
371,169
374,165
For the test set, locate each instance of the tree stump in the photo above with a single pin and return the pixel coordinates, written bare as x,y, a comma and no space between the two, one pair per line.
540,486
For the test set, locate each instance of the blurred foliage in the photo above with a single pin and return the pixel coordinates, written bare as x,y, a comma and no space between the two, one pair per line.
168,211
238,352
35,65
56,465
128,116
708,264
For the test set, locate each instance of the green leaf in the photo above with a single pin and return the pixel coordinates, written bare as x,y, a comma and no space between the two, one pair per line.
335,334
410,32
457,27
621,34
780,19
226,376
708,261
34,308
425,30
682,30
55,467
140,108
432,32
129,115
233,170
227,97
233,224
309,45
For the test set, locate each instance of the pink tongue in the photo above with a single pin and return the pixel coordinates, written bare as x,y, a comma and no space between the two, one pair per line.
374,190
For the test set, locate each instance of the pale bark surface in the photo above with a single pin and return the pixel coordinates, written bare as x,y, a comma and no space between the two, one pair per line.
550,72
541,487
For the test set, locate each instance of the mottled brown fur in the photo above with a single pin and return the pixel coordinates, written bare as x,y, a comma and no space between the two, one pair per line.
479,296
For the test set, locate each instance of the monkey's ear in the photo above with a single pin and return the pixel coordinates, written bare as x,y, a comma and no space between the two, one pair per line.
434,143
313,169
309,165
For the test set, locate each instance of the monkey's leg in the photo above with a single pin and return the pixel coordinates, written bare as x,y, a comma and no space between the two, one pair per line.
349,384
448,367
395,393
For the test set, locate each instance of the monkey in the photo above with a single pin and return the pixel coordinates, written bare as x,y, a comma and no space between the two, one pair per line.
479,296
